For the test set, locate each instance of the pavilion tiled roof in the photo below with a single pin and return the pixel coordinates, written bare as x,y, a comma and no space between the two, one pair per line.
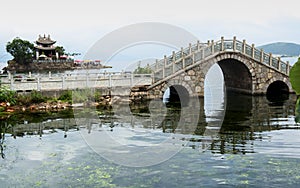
45,40
45,48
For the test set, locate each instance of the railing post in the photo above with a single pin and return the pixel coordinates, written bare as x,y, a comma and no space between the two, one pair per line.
183,61
244,47
87,79
174,56
104,74
109,82
261,55
38,83
11,81
279,64
252,50
173,67
193,57
63,82
49,74
181,52
287,67
152,77
222,44
165,63
29,74
270,60
131,80
198,44
212,47
234,43
190,48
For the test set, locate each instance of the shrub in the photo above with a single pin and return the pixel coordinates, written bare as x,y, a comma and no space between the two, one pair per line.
66,96
97,96
85,95
37,97
23,100
7,95
142,70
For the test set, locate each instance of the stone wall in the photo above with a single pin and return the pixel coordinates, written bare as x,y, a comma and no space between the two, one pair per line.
14,67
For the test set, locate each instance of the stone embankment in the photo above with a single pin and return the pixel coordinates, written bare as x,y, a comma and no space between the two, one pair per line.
44,106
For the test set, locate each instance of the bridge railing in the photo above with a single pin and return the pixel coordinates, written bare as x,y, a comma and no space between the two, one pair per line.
73,80
159,64
201,51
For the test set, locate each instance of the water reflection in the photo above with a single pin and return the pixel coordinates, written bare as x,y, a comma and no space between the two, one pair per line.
2,137
245,118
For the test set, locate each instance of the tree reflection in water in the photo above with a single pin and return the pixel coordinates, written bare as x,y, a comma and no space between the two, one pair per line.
245,118
2,136
3,130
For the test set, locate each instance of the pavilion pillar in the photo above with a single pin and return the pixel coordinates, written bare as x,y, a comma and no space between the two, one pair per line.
38,83
37,55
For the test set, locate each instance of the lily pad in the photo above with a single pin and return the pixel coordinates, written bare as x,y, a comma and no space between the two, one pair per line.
295,77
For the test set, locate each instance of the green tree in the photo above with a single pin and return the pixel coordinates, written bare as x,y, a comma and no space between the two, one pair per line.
142,70
295,81
295,77
7,95
60,50
21,50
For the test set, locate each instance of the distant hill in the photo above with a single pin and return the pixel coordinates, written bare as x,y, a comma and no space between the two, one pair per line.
282,48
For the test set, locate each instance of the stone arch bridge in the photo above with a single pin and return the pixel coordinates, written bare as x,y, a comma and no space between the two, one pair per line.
245,68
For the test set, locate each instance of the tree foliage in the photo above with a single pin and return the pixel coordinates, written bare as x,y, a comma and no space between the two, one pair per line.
295,77
297,111
7,95
21,50
60,50
142,70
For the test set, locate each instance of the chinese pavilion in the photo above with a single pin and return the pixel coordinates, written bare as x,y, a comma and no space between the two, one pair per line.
45,48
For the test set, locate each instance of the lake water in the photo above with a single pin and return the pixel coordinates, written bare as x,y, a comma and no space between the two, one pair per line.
254,143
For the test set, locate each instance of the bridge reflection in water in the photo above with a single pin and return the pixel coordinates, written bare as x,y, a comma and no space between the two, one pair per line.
245,117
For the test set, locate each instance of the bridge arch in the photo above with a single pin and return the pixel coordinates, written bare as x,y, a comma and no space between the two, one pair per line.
178,93
238,71
180,87
237,76
277,91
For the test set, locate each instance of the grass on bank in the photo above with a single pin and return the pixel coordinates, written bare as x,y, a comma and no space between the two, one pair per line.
12,98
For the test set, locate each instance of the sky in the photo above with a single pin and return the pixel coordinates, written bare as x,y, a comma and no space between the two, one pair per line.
78,25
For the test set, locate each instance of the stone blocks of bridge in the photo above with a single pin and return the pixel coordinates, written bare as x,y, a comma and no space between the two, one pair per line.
257,75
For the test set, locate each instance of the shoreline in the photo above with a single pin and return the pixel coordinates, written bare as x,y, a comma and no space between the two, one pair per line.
53,106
